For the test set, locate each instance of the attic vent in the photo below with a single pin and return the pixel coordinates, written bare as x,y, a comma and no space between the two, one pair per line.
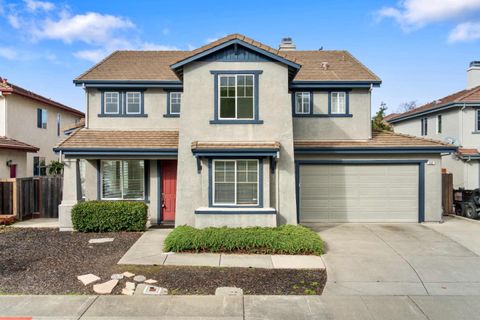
325,65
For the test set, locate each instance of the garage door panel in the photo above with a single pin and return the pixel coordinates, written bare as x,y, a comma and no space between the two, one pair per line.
358,193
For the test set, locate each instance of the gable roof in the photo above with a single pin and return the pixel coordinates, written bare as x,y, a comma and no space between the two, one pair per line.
456,99
10,88
12,144
145,66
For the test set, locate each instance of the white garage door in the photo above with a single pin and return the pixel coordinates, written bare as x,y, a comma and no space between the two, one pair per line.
358,193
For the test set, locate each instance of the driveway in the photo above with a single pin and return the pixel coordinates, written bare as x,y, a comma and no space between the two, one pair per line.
402,259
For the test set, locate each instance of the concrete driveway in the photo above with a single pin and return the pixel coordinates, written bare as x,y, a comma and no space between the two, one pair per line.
402,259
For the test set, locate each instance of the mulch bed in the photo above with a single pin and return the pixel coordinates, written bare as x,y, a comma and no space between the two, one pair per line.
46,261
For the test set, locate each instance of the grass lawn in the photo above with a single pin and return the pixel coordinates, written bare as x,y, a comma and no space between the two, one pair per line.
286,239
46,261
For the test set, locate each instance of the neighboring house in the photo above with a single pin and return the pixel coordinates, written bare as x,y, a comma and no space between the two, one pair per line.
37,122
237,133
454,119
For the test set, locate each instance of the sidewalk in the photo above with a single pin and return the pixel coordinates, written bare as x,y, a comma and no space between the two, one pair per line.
247,307
148,250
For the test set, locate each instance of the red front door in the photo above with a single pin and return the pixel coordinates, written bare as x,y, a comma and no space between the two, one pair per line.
169,189
13,171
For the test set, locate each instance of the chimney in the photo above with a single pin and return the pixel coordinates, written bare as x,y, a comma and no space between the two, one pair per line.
287,45
473,74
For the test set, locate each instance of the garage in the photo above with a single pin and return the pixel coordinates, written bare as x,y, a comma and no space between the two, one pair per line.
360,192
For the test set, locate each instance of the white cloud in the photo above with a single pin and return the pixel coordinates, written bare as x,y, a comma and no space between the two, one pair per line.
14,21
465,32
8,53
33,5
412,14
95,55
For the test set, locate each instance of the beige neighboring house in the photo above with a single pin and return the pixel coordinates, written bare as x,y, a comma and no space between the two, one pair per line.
30,126
237,133
454,119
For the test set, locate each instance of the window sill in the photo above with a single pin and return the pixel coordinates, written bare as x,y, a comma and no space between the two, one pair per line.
104,115
323,115
236,121
235,210
476,132
171,116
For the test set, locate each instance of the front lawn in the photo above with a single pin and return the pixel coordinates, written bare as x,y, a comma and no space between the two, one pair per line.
286,239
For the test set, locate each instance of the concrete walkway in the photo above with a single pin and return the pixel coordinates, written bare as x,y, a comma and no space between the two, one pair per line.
148,250
246,307
37,223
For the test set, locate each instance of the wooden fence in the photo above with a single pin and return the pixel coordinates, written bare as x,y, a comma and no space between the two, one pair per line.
447,193
25,197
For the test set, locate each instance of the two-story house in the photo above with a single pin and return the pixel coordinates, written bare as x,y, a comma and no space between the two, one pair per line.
30,126
237,133
454,119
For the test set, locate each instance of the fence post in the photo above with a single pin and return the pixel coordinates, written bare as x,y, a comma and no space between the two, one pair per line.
15,197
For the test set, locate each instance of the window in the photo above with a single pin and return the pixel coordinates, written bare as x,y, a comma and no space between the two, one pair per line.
42,118
477,125
424,124
112,103
439,123
133,103
302,102
175,102
122,179
236,96
338,103
39,167
235,182
58,125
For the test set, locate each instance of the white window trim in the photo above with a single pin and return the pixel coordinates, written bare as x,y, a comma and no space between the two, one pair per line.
105,102
139,102
235,183
338,93
302,93
439,124
121,183
170,102
220,76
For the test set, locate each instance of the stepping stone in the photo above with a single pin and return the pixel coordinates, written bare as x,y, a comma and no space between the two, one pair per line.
100,240
106,287
128,274
228,291
130,285
88,278
117,276
127,292
150,281
139,278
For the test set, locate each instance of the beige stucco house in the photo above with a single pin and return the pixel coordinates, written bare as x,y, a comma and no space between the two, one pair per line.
237,133
454,119
30,126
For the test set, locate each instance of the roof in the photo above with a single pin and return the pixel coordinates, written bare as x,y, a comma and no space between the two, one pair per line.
12,144
464,96
72,127
9,88
468,153
116,139
235,145
380,140
156,65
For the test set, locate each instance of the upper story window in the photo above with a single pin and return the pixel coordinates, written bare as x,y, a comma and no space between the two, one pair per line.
42,118
303,103
477,120
59,129
338,102
424,126
175,102
112,103
133,105
439,124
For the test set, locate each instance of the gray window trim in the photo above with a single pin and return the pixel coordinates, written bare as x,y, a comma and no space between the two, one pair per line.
168,113
294,104
122,108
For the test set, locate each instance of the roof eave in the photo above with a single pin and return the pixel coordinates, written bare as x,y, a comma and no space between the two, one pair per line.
313,84
376,150
433,110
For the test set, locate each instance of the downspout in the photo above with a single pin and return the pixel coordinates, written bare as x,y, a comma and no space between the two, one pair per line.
370,119
461,123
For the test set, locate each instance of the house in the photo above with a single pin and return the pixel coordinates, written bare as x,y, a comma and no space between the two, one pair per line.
454,119
30,126
237,133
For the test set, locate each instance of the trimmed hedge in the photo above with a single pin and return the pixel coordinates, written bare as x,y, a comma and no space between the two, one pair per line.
286,239
109,216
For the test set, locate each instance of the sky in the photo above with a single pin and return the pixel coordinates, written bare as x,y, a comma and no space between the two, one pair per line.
419,48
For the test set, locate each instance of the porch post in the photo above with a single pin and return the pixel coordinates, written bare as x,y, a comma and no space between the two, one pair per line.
72,193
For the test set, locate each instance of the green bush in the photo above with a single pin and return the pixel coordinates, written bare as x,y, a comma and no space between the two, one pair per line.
109,216
286,239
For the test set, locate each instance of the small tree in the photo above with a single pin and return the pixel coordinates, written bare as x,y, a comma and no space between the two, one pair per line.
55,168
407,106
378,122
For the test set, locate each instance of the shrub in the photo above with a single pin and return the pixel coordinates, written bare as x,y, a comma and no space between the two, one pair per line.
105,216
286,239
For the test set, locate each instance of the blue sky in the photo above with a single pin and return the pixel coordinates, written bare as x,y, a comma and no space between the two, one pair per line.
420,48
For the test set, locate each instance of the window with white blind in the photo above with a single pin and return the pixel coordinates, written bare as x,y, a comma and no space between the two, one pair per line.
302,102
123,179
235,182
112,102
338,103
133,103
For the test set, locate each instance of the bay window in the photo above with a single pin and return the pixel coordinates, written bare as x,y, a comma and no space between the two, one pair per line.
123,179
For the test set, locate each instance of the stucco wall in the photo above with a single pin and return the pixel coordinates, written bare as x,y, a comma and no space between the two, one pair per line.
198,110
22,125
357,127
433,177
155,106
3,117
18,157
